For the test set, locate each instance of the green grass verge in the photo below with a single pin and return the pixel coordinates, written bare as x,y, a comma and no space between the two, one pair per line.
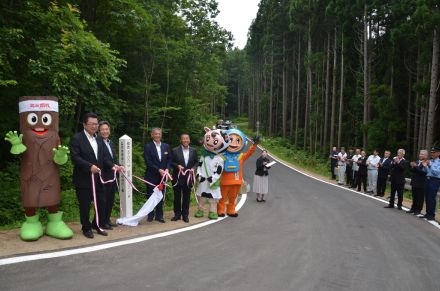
283,149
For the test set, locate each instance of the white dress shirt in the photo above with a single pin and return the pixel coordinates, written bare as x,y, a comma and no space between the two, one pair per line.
372,162
107,143
93,143
159,152
342,158
185,154
355,165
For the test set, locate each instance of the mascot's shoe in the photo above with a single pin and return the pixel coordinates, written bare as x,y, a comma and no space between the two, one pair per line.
199,213
212,215
221,215
56,227
233,214
31,228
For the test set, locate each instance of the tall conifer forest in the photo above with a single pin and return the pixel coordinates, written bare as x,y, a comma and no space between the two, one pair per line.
323,73
316,73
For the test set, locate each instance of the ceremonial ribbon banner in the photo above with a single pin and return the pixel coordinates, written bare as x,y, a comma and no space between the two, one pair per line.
154,199
149,205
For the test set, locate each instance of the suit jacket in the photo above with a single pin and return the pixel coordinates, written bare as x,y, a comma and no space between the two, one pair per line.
262,170
83,157
349,160
398,172
384,169
178,159
362,163
153,163
108,173
418,176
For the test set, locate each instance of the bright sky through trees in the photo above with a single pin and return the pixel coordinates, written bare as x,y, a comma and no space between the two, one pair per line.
236,16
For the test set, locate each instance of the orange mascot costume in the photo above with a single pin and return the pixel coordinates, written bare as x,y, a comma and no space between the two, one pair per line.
232,177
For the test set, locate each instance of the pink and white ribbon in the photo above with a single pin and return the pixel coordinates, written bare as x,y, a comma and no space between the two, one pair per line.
191,176
94,200
149,205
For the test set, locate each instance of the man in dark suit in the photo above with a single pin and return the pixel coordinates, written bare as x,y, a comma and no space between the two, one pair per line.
108,174
157,156
397,179
333,162
418,179
184,161
90,156
384,167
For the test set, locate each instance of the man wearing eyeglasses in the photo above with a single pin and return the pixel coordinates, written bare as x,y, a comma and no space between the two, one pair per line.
90,156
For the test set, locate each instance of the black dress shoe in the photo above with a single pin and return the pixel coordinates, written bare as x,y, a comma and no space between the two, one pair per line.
112,224
150,219
175,218
185,218
416,213
88,233
399,207
107,226
161,220
389,206
429,218
100,231
410,211
233,214
221,215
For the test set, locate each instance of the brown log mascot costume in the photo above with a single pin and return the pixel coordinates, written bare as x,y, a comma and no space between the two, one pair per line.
39,177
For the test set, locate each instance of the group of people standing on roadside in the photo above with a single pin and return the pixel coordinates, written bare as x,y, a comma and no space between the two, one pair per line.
95,162
356,170
93,152
160,160
94,158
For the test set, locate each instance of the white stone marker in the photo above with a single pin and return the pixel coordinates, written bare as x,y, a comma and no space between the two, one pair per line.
125,190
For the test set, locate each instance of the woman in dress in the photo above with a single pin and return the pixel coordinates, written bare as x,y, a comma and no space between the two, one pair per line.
261,179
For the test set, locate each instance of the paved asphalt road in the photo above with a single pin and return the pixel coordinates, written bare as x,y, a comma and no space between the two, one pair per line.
307,236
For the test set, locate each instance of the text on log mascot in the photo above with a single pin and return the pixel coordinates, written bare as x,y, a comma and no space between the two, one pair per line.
210,170
39,175
232,177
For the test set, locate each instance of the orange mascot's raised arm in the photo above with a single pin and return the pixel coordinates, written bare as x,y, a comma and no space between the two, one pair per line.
232,177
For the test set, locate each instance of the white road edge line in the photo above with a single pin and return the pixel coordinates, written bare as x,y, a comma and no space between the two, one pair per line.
82,250
434,223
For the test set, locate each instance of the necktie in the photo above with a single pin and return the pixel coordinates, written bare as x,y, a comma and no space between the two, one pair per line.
110,147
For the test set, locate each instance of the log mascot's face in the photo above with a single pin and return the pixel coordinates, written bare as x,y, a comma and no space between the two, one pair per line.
38,117
237,140
215,141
